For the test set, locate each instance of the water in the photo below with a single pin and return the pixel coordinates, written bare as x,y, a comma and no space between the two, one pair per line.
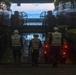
33,15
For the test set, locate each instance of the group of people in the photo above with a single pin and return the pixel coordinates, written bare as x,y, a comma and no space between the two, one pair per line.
35,44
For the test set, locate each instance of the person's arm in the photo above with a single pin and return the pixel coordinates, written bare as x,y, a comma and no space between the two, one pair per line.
10,42
21,42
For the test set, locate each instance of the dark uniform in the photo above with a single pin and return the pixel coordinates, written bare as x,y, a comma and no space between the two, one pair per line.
50,20
16,19
35,45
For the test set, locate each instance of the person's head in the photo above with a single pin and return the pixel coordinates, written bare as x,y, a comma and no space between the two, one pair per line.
16,32
16,12
49,12
35,35
56,29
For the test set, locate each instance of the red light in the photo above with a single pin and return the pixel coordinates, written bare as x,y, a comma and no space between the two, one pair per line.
46,46
64,53
65,46
45,52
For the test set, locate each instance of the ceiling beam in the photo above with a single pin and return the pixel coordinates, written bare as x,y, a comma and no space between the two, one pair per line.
32,1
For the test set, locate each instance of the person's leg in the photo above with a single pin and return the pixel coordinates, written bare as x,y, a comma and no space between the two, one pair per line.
19,56
46,58
36,57
32,57
56,56
15,56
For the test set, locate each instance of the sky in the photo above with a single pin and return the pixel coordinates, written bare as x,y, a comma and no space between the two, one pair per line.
33,7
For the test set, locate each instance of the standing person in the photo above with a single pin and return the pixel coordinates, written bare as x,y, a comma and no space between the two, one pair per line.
56,42
17,45
35,45
16,19
51,20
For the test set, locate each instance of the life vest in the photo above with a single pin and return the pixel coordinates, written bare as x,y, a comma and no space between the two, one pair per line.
56,39
16,40
35,43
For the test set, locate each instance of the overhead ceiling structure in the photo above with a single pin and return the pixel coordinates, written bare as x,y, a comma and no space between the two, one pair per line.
32,1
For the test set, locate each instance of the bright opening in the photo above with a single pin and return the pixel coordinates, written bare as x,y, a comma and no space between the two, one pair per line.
33,10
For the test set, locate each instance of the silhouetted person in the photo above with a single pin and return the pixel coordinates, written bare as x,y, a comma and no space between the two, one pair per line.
35,45
16,19
51,20
45,21
17,45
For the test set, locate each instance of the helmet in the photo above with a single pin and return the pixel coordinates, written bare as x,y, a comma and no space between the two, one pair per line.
35,35
16,31
56,28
